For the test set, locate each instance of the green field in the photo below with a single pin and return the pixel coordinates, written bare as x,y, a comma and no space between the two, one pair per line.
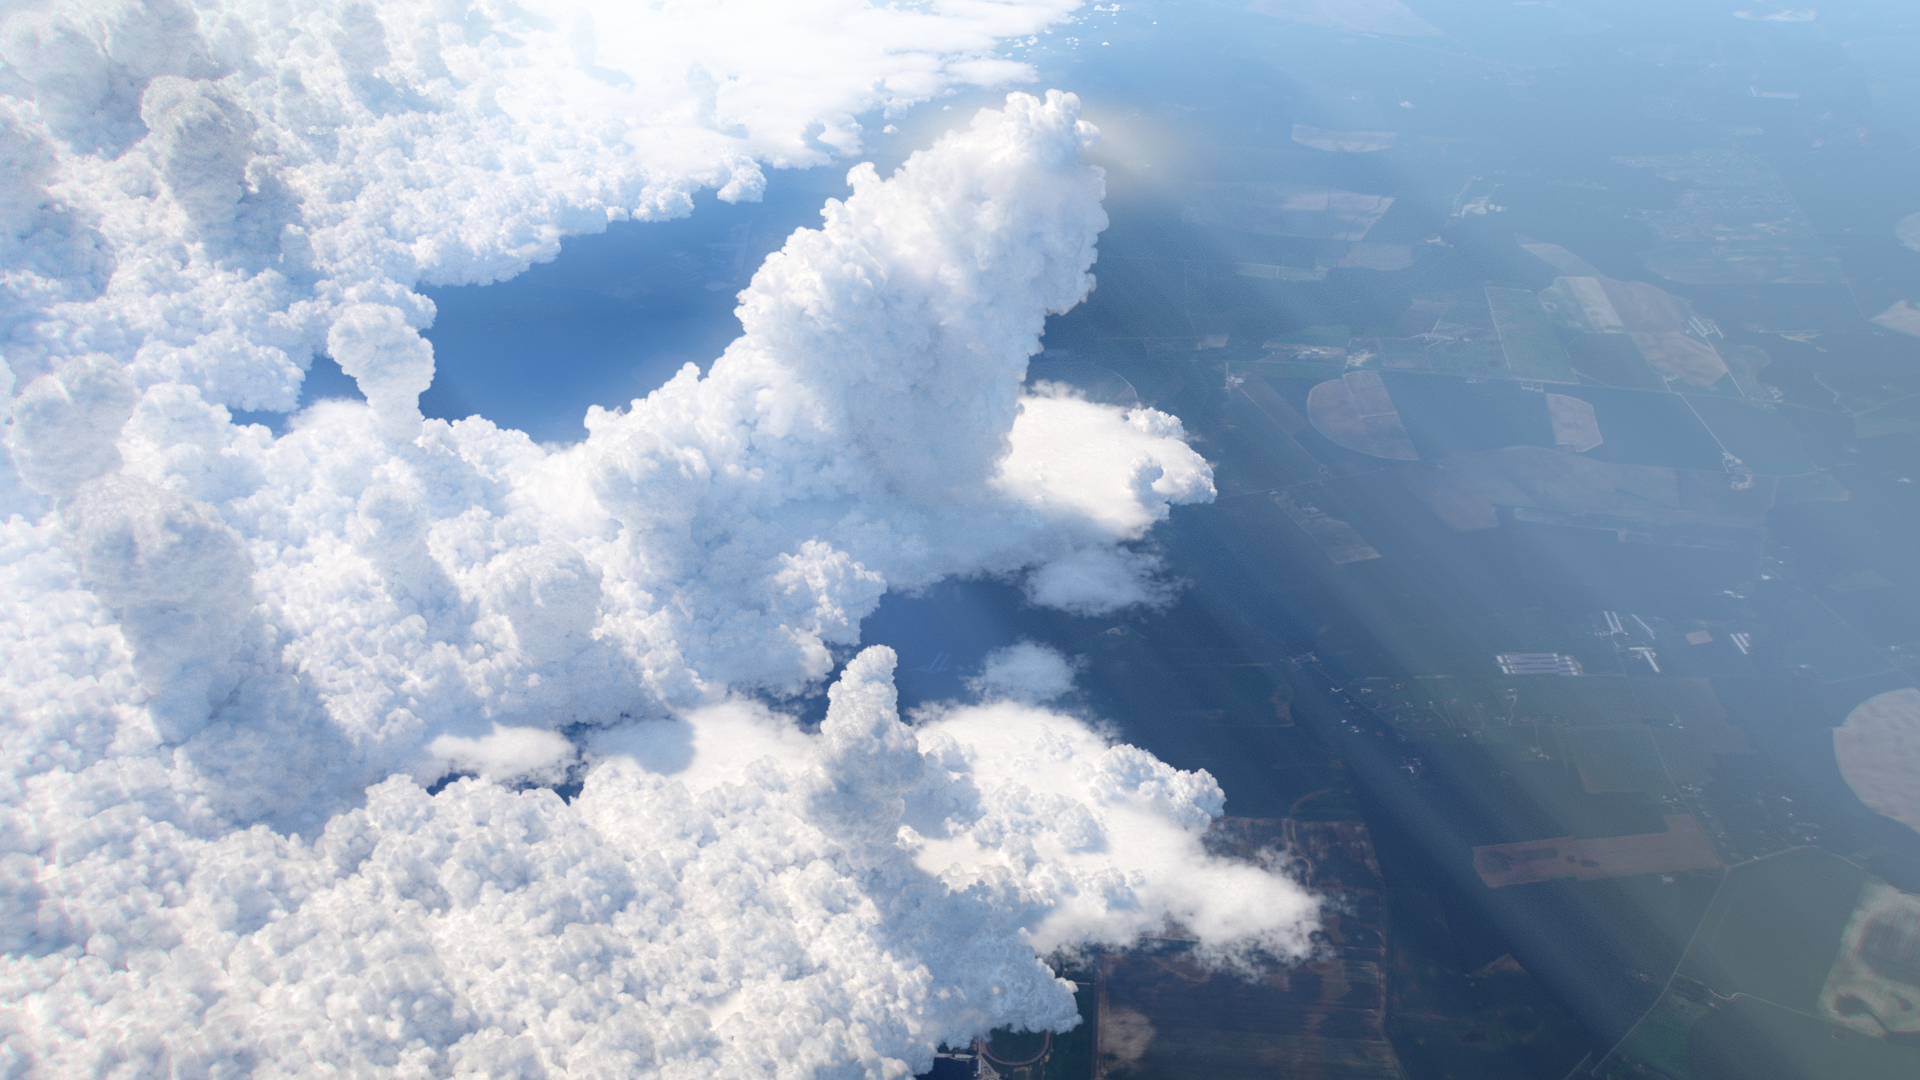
1755,1040
1480,357
1660,1039
1446,1023
1823,641
1258,453
1764,950
1863,387
1774,929
1621,758
1466,342
1532,351
1072,1057
1749,1039
1890,419
1755,434
1741,262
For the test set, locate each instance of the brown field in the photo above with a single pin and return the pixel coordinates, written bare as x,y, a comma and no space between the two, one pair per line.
1681,847
1164,1017
1355,412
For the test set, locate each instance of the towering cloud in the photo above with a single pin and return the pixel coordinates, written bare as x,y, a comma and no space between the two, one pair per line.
231,660
206,191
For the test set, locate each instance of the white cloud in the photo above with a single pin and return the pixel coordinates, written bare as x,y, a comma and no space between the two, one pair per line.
1120,469
1086,841
682,917
1095,581
505,753
206,191
1026,671
216,639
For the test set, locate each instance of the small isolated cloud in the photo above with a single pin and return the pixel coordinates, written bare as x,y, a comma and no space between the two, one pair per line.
1091,842
1026,672
1119,470
1096,581
524,754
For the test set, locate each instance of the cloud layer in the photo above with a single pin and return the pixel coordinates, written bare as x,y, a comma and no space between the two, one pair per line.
231,660
726,896
207,191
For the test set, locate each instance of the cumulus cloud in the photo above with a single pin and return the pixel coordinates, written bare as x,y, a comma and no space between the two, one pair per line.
1088,842
1026,671
210,192
727,533
1121,469
513,752
766,901
229,659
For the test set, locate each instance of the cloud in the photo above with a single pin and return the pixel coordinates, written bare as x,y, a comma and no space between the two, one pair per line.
1089,842
206,192
1026,672
725,534
837,905
1095,581
230,659
1120,469
512,752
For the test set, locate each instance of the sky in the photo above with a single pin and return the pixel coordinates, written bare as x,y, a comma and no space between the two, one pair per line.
285,704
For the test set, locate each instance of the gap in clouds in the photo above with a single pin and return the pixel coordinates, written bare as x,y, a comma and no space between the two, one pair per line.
610,319
617,313
944,634
324,381
614,315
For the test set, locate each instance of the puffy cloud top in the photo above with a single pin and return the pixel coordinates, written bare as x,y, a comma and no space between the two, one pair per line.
205,191
421,583
230,660
1027,671
835,907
